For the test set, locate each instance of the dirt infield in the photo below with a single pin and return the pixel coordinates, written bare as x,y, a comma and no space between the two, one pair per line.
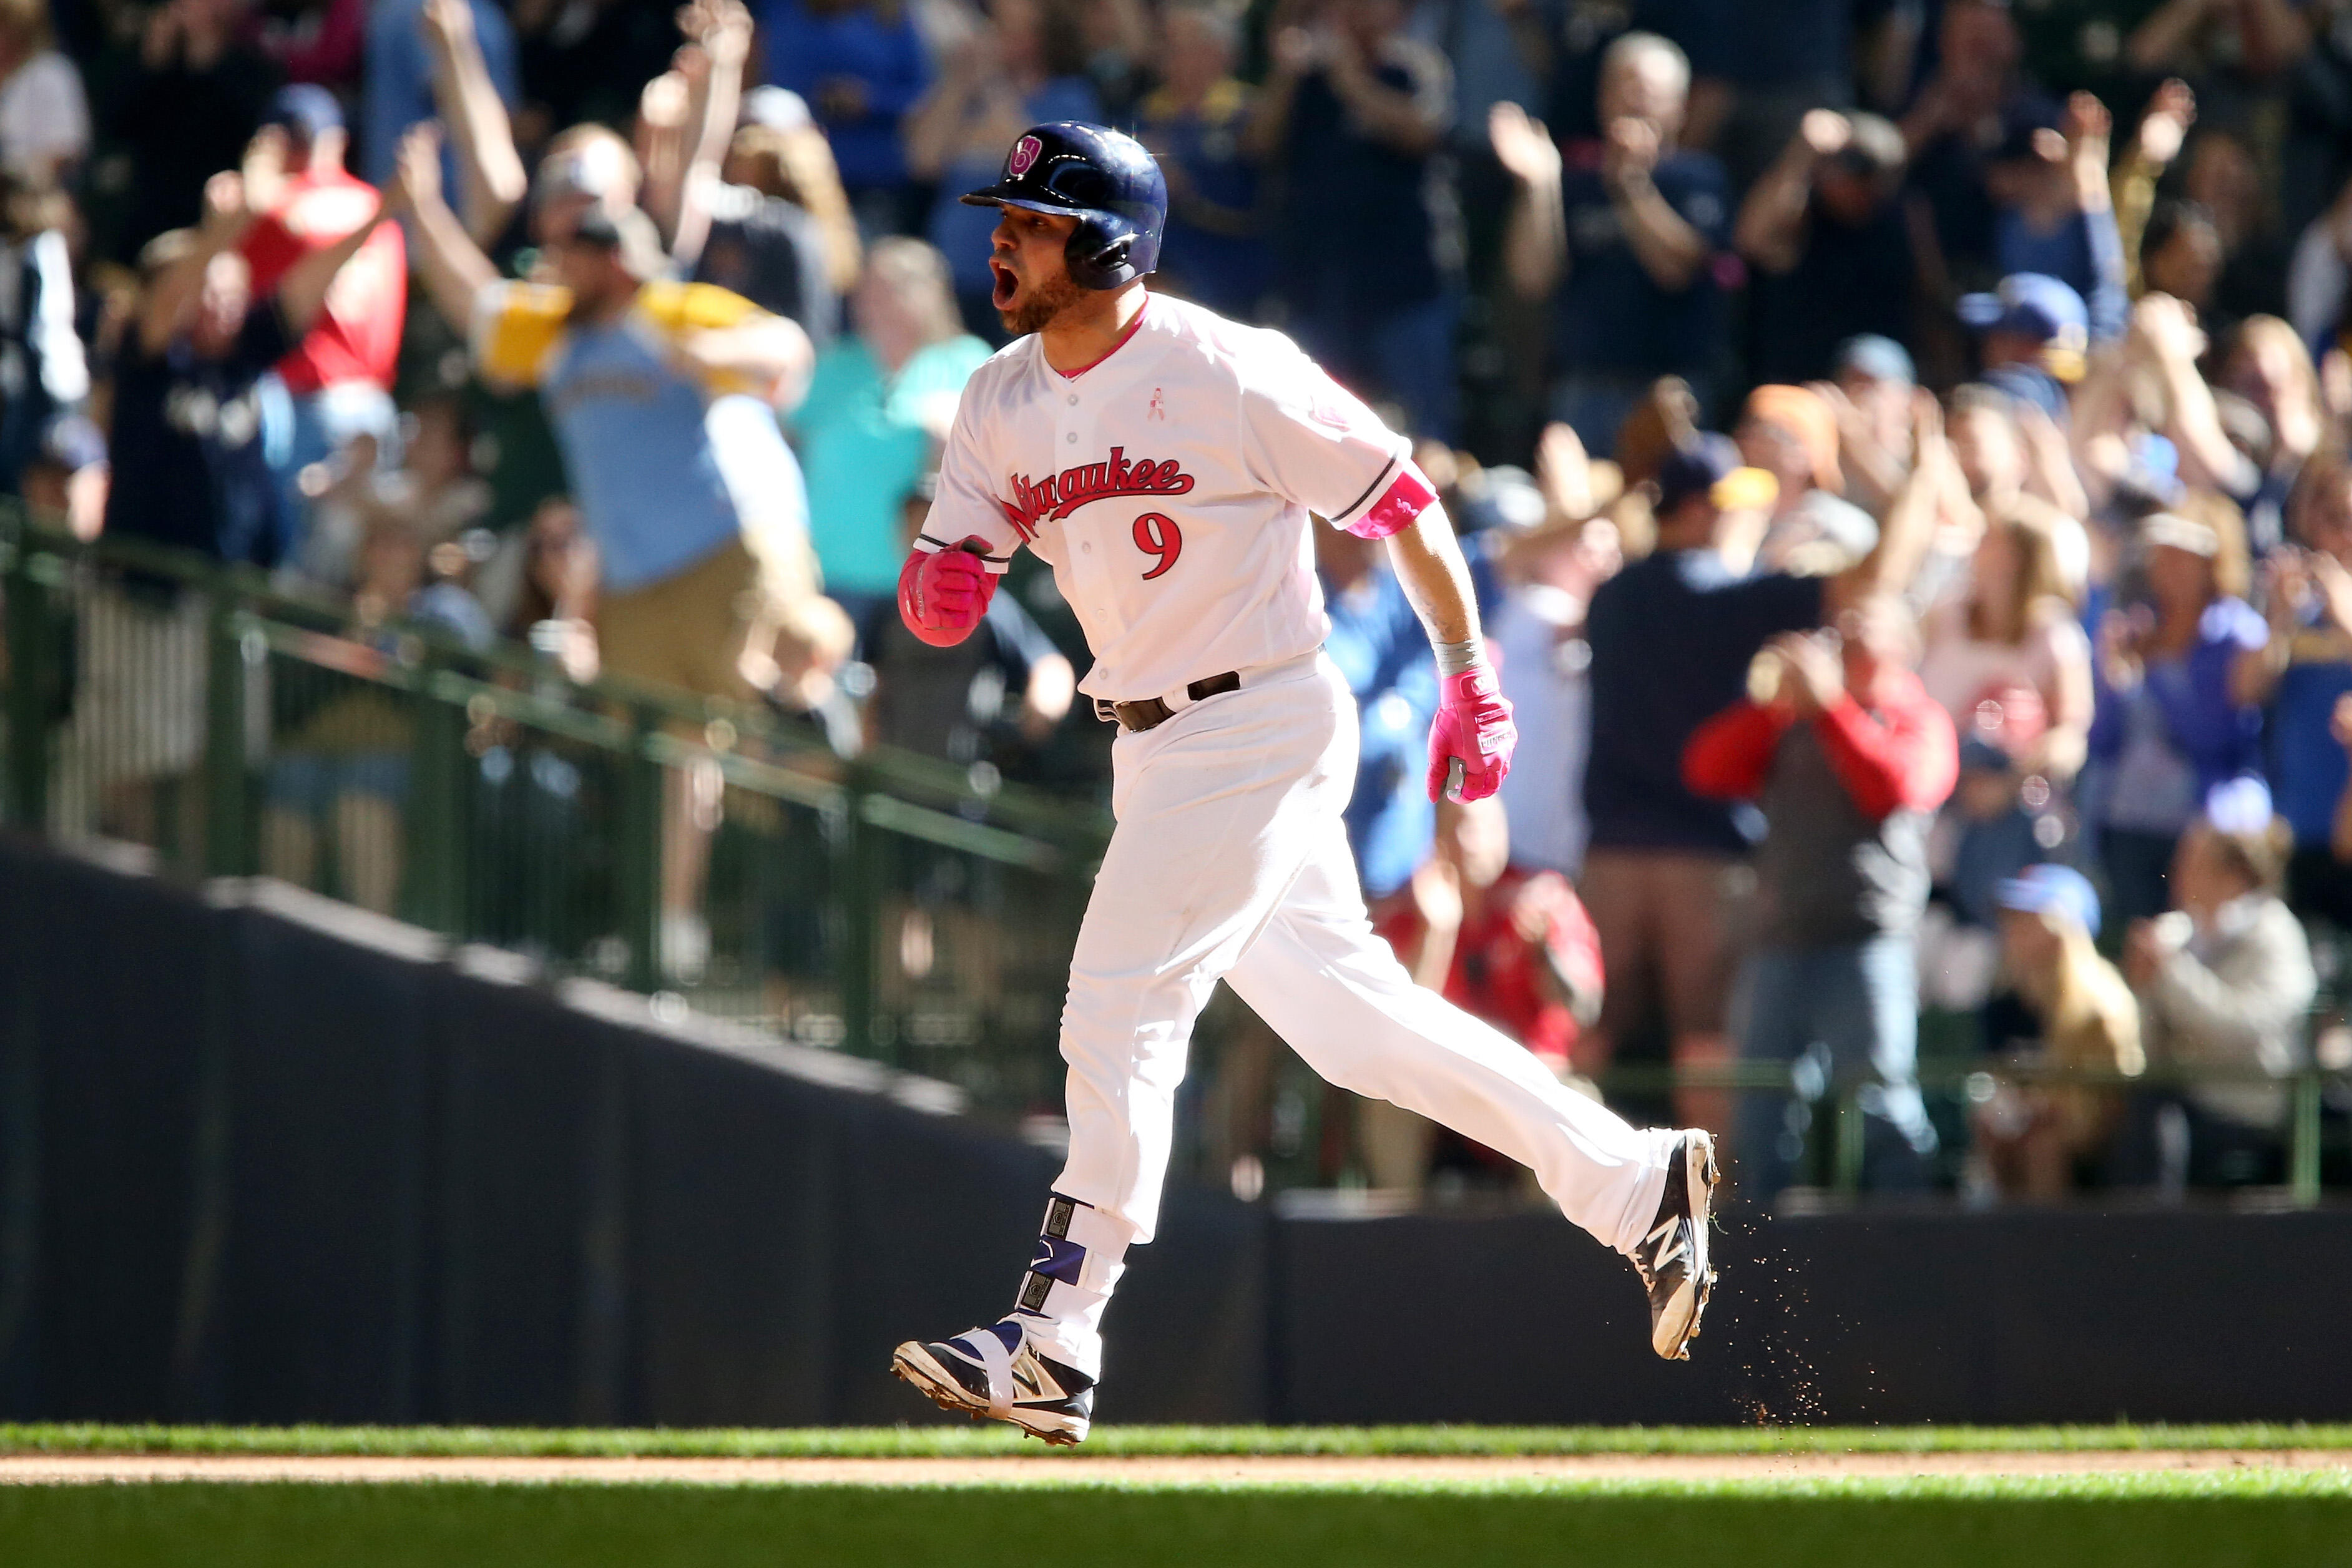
1270,1471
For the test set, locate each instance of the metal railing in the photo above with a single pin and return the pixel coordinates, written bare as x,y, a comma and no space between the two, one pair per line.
892,906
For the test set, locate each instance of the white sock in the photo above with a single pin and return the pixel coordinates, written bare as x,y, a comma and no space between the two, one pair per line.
1080,1256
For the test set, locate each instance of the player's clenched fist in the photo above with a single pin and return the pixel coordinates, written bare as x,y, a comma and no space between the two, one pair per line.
943,594
1472,731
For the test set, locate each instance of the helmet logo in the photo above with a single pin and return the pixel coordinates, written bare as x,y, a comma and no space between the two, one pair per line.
1024,153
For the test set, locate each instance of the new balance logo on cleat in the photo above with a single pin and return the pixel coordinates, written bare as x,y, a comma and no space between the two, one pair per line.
1672,1259
993,1372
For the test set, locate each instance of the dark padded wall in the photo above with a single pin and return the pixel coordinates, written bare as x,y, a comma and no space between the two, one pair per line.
263,1161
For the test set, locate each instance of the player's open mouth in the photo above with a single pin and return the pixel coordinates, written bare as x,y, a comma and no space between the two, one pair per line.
1007,285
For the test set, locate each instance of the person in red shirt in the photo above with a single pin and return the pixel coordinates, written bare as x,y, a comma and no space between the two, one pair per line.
1509,946
1850,758
338,380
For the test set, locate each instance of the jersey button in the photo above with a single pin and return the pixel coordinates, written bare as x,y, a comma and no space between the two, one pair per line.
1088,549
1074,400
1072,437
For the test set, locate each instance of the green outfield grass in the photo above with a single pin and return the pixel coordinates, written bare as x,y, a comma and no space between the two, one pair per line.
968,1440
2130,1521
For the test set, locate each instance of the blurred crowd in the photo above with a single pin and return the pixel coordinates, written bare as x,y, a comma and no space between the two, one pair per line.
1902,446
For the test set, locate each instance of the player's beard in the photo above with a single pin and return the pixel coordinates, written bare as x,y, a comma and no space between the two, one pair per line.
1034,311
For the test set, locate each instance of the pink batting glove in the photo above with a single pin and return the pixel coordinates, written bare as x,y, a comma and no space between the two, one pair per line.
943,594
1471,740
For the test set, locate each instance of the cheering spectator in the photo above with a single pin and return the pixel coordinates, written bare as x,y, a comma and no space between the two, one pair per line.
2008,662
1871,394
43,374
2056,216
188,463
1506,945
2163,129
1365,235
1554,568
435,496
730,208
1849,759
345,769
1214,249
2270,367
1964,111
877,409
403,38
44,118
2302,674
188,472
338,381
552,604
1790,433
1628,233
2067,1009
472,97
2015,465
1671,638
2033,333
1828,235
2223,175
2224,982
185,109
861,65
2169,724
662,398
1023,68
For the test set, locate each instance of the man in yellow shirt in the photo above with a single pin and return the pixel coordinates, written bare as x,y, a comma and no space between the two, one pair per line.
663,396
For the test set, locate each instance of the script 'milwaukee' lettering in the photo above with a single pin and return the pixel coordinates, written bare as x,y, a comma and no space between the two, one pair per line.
1058,495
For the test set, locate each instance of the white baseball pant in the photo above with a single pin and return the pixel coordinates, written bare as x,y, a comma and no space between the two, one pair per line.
1230,861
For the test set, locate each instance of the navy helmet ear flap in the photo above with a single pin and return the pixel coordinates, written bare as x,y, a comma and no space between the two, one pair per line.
1101,261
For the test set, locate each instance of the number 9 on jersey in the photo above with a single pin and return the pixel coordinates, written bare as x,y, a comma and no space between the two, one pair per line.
1156,533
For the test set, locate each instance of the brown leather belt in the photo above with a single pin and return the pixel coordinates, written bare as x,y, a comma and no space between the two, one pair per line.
1153,712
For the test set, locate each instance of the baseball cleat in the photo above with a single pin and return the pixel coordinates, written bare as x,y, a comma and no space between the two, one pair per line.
1672,1258
995,1372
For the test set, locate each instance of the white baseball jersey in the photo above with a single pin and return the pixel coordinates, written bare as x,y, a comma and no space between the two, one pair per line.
1169,485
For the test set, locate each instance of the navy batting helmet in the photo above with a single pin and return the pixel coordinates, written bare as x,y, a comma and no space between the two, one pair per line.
1104,178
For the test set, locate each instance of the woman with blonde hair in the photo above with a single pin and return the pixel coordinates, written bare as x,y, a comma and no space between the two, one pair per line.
2268,366
2033,1137
2010,641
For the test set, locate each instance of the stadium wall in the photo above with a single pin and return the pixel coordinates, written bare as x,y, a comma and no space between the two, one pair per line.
265,1159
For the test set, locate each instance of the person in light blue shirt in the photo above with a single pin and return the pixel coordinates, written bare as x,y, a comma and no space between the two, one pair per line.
880,404
662,398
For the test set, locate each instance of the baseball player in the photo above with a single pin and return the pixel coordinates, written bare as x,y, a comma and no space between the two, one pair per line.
1168,464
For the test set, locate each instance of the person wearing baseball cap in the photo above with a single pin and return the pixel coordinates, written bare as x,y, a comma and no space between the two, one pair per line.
338,380
2033,334
2225,980
1878,379
1791,432
663,396
2032,1138
1672,637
